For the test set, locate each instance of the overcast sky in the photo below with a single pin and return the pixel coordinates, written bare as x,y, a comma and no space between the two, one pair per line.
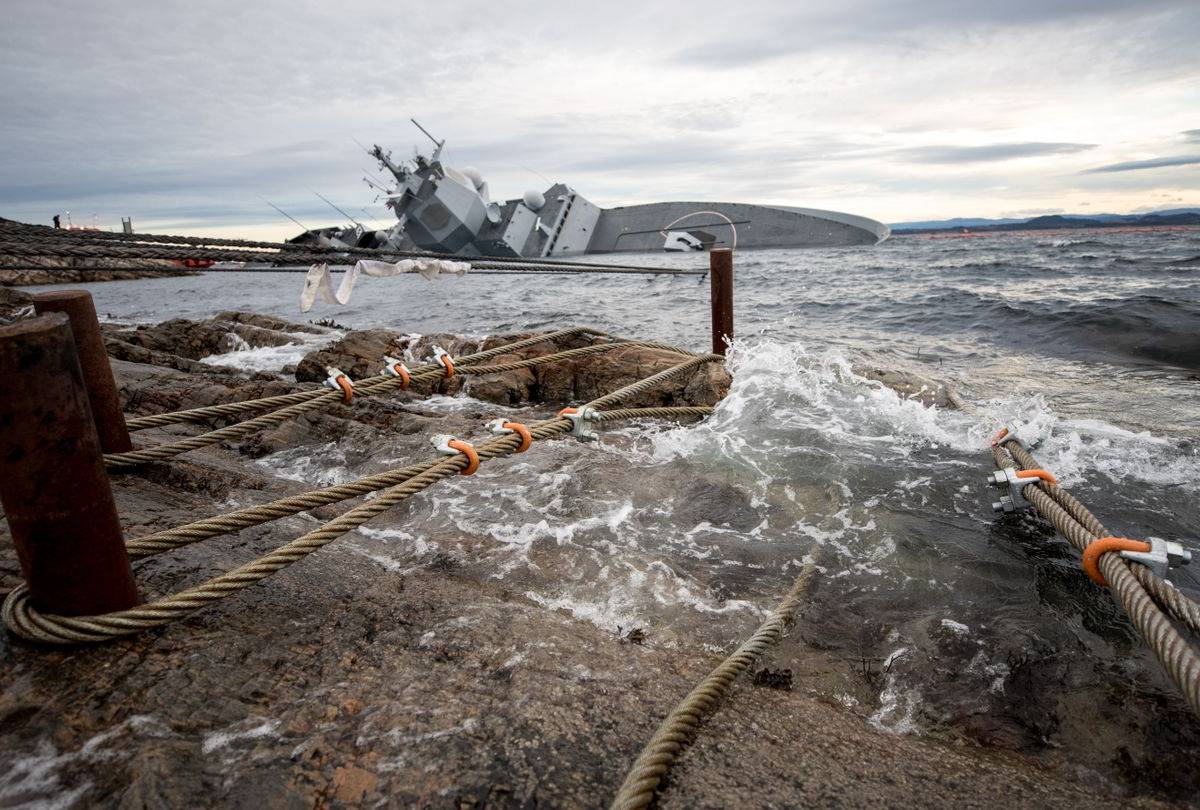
185,115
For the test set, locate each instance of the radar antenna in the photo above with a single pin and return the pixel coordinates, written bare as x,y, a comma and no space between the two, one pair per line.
340,211
439,144
280,210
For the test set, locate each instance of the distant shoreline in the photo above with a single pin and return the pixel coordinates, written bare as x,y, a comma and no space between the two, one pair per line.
1028,229
1058,222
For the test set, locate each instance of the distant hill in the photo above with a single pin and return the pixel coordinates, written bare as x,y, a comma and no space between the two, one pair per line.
1171,216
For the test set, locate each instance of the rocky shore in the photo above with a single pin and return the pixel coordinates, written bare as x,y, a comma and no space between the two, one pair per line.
361,677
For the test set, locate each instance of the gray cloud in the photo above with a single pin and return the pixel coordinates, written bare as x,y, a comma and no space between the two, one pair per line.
1192,134
1138,165
778,30
109,113
989,152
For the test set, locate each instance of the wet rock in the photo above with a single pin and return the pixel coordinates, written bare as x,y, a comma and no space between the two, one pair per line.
270,323
14,304
773,678
359,354
134,353
716,503
909,385
197,339
353,785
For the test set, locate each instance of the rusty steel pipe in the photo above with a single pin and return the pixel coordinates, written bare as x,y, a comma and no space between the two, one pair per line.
720,265
93,359
55,492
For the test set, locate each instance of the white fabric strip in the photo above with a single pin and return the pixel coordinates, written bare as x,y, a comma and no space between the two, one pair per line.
319,280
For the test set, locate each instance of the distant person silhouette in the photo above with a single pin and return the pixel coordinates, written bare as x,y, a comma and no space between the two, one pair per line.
57,221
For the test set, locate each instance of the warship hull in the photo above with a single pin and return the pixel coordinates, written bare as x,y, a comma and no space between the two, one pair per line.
639,228
450,211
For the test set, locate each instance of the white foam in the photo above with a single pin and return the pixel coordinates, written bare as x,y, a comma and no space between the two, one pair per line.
898,705
958,628
781,388
245,357
321,466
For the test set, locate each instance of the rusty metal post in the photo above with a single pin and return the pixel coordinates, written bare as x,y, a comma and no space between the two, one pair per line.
53,487
720,265
97,373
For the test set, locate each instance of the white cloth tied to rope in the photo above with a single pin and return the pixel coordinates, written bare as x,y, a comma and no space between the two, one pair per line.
320,281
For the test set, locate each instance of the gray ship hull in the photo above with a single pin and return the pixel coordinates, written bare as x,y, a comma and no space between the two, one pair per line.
638,228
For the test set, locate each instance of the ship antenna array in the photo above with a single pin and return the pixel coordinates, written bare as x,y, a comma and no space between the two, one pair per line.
285,213
339,210
439,144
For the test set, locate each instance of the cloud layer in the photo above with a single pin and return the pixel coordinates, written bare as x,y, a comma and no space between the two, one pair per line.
186,115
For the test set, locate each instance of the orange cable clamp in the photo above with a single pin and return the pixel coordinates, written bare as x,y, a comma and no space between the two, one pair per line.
1098,548
523,432
339,381
443,357
1046,476
467,450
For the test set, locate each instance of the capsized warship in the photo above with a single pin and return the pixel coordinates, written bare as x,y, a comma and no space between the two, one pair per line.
446,210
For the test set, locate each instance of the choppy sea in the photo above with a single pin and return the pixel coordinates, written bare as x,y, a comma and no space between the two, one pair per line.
930,615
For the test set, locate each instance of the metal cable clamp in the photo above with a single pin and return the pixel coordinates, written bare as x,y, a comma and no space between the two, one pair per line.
504,427
581,422
1162,556
1009,434
1015,481
393,367
338,380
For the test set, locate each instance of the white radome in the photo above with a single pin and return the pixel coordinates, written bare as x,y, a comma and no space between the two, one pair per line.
473,175
534,200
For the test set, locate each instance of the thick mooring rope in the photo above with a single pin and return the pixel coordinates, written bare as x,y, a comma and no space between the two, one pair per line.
22,618
371,385
363,386
229,522
1163,592
675,732
326,397
30,239
69,249
1081,528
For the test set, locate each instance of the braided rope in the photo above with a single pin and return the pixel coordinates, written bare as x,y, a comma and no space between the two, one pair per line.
365,386
374,385
48,238
74,249
1160,590
22,618
655,413
229,522
1174,653
677,729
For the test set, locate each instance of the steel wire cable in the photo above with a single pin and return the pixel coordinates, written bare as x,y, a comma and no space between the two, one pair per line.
1174,653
